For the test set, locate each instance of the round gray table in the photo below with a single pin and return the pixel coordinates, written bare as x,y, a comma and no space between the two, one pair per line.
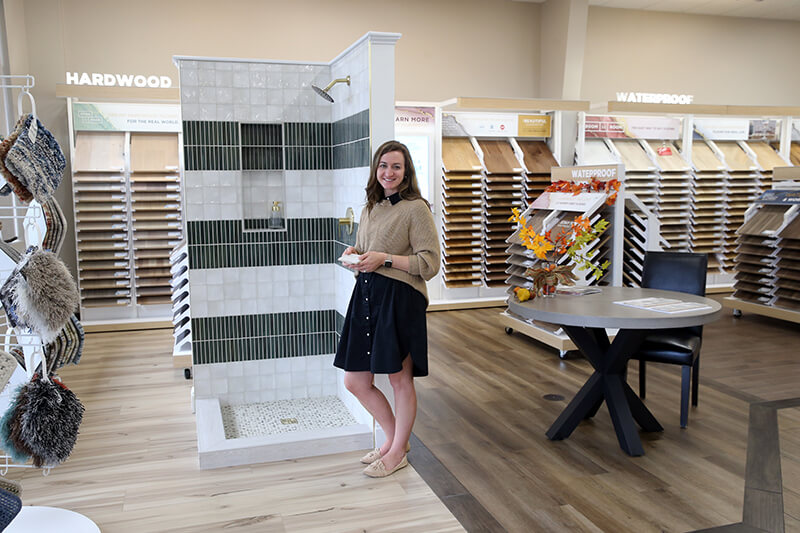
584,319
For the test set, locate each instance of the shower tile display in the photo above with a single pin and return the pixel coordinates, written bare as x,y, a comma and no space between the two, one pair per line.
225,244
265,336
210,145
262,147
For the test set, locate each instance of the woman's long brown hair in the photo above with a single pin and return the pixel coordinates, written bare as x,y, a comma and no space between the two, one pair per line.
408,188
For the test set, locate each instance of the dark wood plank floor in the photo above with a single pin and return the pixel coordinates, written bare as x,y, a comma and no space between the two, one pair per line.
483,414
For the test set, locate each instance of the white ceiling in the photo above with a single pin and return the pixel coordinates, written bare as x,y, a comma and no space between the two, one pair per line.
765,9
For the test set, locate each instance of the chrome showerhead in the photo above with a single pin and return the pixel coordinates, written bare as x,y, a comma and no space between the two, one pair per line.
324,92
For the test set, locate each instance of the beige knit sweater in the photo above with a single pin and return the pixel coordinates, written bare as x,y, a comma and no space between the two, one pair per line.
403,228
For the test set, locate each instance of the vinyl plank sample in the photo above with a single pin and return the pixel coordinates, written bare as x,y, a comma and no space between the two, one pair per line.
499,158
735,157
154,152
458,155
633,155
704,158
766,156
537,157
595,152
99,151
671,162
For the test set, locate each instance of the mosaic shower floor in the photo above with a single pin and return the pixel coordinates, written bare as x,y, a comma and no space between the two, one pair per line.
284,416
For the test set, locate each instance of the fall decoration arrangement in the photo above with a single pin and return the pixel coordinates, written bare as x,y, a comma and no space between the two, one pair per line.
570,240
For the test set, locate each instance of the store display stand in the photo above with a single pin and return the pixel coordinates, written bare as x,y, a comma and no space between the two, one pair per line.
127,198
31,519
495,154
767,266
628,220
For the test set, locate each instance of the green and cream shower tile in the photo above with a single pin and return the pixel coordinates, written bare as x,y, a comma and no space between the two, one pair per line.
261,290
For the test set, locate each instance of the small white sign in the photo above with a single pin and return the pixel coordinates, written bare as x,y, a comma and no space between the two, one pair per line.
723,129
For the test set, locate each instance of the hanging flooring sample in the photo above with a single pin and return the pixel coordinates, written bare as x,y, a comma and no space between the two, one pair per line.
502,190
641,176
787,274
744,186
708,193
674,204
767,159
461,213
127,220
156,213
538,161
757,259
101,219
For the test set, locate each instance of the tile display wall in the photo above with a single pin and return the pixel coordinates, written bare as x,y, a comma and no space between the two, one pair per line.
266,302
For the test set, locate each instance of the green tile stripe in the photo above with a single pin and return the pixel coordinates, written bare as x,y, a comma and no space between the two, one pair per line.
308,133
351,155
266,336
352,128
261,254
263,325
211,145
199,232
216,145
226,244
234,350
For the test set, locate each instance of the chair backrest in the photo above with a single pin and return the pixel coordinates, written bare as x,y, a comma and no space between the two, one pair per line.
675,271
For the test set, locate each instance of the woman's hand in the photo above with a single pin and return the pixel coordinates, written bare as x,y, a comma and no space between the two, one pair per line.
349,251
371,261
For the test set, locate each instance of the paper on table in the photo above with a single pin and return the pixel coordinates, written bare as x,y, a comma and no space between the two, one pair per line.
664,305
350,259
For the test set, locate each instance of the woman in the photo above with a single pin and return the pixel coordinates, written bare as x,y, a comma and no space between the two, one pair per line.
385,330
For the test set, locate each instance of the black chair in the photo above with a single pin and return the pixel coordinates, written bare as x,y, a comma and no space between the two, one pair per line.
684,272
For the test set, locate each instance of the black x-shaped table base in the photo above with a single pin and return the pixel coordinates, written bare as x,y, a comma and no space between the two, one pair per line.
609,360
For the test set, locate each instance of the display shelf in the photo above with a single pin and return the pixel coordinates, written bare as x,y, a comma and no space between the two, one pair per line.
127,202
632,230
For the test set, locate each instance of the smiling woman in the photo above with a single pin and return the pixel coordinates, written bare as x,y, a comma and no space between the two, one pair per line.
385,330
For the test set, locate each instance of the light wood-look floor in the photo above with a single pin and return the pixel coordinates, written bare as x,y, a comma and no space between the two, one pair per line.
482,413
134,468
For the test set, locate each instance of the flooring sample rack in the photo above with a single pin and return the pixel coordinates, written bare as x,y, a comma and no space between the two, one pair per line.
632,230
483,178
767,263
127,201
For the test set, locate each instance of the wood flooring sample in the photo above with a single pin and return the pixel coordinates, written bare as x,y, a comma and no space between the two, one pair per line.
499,158
668,163
458,155
735,157
704,158
766,156
537,157
633,155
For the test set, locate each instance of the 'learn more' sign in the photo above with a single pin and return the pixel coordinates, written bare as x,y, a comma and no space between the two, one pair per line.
118,80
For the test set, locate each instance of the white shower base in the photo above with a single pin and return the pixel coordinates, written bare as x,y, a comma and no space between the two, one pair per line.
216,451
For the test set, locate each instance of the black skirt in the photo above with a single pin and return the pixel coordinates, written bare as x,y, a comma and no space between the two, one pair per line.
385,322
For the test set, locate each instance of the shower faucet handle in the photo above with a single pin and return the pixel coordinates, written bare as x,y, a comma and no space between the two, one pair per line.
348,220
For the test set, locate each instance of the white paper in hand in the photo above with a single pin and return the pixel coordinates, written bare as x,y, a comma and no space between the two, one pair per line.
350,259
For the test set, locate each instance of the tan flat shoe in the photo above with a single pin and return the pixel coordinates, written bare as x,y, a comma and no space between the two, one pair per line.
378,469
372,456
375,454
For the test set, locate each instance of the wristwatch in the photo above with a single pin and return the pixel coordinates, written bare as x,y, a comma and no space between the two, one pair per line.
388,262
